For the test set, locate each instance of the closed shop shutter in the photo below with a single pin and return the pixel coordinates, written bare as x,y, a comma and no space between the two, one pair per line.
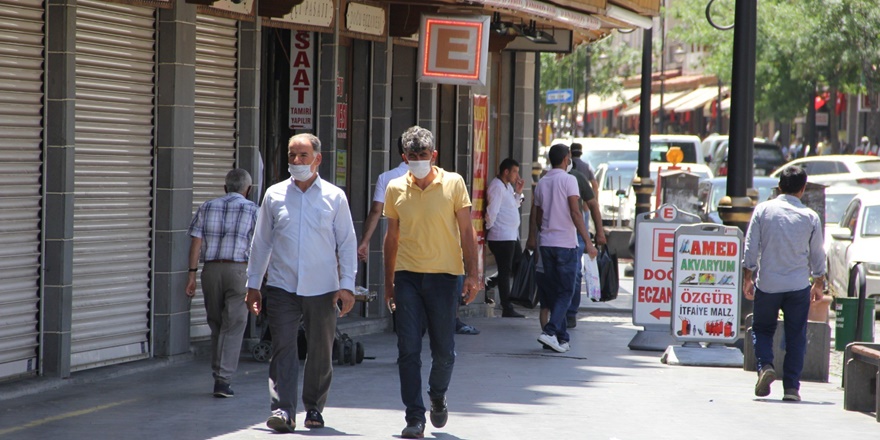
21,133
112,227
215,124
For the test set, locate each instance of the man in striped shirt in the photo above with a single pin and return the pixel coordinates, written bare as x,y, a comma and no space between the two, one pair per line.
221,232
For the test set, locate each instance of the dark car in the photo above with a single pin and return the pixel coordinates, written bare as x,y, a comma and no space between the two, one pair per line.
767,158
711,191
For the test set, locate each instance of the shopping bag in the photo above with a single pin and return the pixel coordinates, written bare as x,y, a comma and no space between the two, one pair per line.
524,292
591,276
608,274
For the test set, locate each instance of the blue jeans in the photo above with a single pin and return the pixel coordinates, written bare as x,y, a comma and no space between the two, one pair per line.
578,279
796,306
560,265
425,301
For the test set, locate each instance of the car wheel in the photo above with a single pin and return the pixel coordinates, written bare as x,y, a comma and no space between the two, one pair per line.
852,290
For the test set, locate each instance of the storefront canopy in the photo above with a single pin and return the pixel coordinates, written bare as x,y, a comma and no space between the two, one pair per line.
668,102
598,104
696,99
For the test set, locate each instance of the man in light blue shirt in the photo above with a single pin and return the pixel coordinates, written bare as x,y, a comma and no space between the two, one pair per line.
784,246
305,238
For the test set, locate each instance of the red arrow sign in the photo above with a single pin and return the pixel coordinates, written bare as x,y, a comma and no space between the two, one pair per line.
657,313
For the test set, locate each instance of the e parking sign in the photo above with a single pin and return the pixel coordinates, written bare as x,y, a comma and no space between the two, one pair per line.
652,264
707,273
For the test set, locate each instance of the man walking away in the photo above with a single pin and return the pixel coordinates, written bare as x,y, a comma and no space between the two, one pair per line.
429,234
305,238
558,220
784,245
221,232
502,220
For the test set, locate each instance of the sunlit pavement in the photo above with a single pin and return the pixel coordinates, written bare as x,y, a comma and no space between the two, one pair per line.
505,386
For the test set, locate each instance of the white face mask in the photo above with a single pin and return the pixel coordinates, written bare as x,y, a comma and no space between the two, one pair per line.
419,168
300,172
568,168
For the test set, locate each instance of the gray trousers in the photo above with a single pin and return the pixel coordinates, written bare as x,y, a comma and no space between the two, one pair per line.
318,315
224,286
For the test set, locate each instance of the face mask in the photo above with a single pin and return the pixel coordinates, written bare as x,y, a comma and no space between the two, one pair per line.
568,168
419,168
300,172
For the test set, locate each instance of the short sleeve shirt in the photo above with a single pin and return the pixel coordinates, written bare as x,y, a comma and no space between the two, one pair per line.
551,194
430,240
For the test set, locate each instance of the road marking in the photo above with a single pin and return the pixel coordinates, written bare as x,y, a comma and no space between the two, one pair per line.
82,412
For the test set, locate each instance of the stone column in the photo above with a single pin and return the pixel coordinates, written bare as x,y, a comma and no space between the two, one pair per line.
175,112
60,81
326,123
427,106
249,62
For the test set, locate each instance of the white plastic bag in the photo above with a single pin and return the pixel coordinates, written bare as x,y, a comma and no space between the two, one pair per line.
591,276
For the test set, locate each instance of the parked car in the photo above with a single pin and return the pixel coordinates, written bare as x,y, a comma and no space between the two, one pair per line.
837,198
710,143
767,158
599,150
615,186
690,145
854,244
711,191
840,169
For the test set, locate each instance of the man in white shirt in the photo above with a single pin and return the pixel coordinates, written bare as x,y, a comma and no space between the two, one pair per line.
305,238
379,203
504,198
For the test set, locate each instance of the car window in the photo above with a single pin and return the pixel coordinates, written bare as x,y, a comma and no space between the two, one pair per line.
617,178
704,194
817,167
869,166
598,157
835,206
850,216
659,149
768,153
871,224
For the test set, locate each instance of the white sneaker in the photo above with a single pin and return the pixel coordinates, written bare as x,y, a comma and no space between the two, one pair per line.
565,346
551,341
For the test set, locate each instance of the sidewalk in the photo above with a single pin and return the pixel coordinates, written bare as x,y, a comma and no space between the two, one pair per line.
504,387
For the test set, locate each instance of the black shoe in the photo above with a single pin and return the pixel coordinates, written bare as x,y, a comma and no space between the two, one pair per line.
439,414
511,314
571,321
222,389
414,429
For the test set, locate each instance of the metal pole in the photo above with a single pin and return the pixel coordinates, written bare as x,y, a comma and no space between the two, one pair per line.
736,209
588,53
661,122
642,184
718,117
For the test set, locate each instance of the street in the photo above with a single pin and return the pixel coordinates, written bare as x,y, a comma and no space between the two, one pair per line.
504,387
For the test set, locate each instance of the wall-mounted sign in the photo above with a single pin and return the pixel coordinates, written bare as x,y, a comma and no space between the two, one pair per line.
341,119
310,12
453,50
244,7
366,19
302,76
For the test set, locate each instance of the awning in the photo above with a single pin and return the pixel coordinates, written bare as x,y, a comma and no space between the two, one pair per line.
696,99
668,99
599,104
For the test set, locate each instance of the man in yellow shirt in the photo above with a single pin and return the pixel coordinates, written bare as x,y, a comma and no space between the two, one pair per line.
429,241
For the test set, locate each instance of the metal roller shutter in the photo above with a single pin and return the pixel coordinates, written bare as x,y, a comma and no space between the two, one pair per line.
215,124
21,134
112,227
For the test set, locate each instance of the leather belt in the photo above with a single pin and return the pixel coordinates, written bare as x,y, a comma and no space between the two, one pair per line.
226,261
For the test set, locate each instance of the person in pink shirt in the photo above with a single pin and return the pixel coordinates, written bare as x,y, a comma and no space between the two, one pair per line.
558,221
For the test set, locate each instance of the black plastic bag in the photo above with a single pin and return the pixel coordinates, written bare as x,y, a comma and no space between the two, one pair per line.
608,278
524,292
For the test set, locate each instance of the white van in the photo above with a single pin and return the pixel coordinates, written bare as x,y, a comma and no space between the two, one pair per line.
690,145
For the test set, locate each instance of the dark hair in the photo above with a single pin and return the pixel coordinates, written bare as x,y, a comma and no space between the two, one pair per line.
400,145
557,154
507,164
792,179
577,149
